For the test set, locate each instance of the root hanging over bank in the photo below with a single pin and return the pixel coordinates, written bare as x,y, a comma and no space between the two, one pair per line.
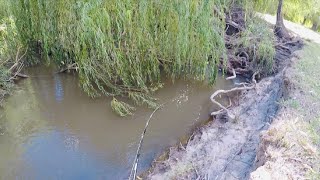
244,87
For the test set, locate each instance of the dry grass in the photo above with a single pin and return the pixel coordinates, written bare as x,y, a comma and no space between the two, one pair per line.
290,148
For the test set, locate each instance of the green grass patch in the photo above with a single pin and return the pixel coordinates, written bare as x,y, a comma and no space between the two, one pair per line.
308,74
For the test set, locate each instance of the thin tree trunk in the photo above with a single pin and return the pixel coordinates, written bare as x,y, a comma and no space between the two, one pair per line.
304,21
315,26
280,30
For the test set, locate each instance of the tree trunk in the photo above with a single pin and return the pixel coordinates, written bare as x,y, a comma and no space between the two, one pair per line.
315,26
280,30
304,21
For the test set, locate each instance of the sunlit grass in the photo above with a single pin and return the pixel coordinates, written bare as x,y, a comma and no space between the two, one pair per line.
308,74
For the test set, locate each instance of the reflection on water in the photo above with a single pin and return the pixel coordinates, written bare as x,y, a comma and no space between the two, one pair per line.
50,129
58,88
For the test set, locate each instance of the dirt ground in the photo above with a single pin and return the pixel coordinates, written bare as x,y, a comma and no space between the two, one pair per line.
226,149
274,134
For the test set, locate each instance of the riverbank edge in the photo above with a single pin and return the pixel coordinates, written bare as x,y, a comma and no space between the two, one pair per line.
224,149
289,149
210,150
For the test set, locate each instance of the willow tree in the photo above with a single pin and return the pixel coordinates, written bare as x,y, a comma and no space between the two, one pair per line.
124,47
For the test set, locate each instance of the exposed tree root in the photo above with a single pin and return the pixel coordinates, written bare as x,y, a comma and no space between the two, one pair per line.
233,76
230,114
241,58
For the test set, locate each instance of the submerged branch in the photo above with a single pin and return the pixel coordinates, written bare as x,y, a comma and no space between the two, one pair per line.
133,172
69,67
15,69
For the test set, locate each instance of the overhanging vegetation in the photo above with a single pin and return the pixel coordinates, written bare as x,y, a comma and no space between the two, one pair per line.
124,48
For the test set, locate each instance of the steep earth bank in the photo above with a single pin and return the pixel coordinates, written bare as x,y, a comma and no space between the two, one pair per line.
227,148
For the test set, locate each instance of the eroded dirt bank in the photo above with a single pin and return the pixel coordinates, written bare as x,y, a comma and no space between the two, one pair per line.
227,149
224,149
286,149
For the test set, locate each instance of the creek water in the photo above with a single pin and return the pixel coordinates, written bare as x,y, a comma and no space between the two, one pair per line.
50,129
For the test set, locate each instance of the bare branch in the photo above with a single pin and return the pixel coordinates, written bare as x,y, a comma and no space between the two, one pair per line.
233,76
134,168
219,92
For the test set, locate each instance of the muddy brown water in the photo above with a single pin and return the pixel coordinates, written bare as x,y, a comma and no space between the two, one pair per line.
50,129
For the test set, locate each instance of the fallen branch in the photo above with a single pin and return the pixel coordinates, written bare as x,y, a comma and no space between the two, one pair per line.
230,114
16,68
234,24
14,76
22,75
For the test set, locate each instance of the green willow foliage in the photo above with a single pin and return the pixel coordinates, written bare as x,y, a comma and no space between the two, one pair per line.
10,46
259,45
124,47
